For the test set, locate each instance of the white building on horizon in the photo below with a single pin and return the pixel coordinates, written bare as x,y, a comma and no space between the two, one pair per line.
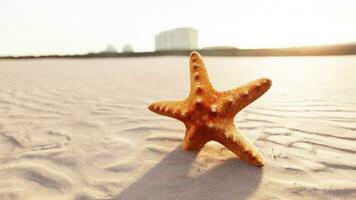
127,48
109,49
177,39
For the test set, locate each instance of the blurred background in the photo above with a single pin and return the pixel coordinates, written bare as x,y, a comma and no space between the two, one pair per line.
40,27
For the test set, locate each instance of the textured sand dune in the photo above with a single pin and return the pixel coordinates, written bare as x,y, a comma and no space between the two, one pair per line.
80,129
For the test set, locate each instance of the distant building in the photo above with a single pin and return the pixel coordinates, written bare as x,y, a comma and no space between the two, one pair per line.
109,49
127,48
177,39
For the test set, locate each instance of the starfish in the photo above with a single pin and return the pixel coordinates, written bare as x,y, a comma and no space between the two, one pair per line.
209,114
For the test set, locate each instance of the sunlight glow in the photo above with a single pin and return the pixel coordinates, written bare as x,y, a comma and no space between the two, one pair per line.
45,27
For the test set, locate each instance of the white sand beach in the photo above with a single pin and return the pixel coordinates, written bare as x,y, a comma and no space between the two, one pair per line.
80,129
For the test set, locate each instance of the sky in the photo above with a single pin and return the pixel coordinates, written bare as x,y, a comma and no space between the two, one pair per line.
39,27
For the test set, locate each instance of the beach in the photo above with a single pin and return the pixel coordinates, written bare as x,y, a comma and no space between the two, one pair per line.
80,129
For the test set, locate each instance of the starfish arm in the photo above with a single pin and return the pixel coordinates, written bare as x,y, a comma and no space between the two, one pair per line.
241,146
194,139
246,94
199,79
168,108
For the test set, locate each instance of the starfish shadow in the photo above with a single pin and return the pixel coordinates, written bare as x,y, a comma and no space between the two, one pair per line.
233,179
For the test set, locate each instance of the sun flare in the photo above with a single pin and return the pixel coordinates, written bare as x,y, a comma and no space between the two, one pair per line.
62,27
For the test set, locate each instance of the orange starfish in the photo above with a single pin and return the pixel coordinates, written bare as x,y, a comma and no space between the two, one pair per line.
209,114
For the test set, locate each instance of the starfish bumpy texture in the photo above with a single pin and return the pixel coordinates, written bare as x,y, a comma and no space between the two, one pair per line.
209,114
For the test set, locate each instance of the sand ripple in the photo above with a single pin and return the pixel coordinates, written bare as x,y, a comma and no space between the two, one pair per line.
80,129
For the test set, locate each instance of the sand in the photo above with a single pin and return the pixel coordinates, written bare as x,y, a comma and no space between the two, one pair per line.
80,129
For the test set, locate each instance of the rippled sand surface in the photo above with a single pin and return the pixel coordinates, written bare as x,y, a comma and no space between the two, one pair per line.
80,129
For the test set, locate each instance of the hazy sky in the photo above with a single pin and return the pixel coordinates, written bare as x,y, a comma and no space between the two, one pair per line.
79,26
